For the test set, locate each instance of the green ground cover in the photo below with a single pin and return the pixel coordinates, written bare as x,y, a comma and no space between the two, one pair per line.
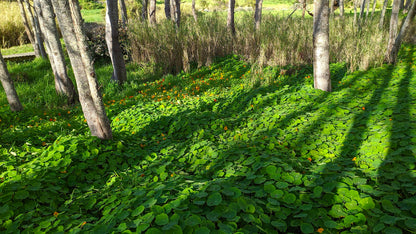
222,149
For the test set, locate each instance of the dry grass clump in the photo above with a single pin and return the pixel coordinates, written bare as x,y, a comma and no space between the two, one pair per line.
12,31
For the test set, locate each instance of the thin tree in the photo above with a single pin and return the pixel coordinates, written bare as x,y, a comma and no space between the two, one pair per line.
341,8
303,3
36,29
394,21
194,11
123,13
175,11
70,21
8,87
46,16
321,72
383,13
144,10
152,12
167,9
113,44
257,14
230,17
355,11
392,54
374,8
28,31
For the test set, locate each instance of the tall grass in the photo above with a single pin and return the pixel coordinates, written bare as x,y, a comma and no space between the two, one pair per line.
12,31
280,42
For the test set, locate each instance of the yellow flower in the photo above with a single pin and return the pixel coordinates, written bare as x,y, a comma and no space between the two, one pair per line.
353,159
225,128
320,230
55,214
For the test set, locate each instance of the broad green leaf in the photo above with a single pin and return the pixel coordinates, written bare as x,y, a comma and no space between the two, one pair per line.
22,194
193,220
366,203
162,219
214,199
289,198
306,228
137,211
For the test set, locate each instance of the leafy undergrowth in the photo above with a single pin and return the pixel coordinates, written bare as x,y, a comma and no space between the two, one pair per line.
222,149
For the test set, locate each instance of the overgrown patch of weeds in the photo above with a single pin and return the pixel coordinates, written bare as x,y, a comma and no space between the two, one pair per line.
215,150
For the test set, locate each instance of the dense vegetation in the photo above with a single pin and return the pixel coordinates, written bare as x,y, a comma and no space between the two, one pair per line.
224,148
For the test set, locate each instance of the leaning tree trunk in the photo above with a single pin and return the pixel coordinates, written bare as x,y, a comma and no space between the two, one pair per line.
194,11
114,48
28,31
392,54
374,8
36,29
152,12
394,21
46,15
321,73
230,18
123,13
70,21
144,10
8,87
383,13
167,9
257,15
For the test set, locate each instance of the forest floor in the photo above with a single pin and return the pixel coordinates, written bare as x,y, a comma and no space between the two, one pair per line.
221,149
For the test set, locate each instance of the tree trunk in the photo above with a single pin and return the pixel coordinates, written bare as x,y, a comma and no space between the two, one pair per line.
368,9
46,15
230,18
194,11
392,55
407,6
167,9
374,8
257,14
176,12
28,31
362,8
8,87
144,10
303,2
123,13
152,12
394,20
321,73
401,4
383,13
70,21
36,29
341,8
331,8
111,37
355,11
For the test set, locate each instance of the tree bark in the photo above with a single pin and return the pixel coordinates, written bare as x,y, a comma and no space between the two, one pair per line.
383,13
341,8
374,8
37,31
392,55
321,72
70,21
303,2
355,11
194,11
152,12
167,9
176,12
368,9
257,14
8,87
407,6
123,12
114,48
331,8
46,15
28,31
230,18
401,4
144,10
394,20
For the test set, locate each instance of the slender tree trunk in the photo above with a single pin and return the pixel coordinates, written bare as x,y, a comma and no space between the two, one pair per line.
257,14
176,12
321,73
111,37
123,12
394,21
46,15
230,18
70,21
355,11
362,9
331,7
368,9
144,10
8,87
341,8
167,9
392,54
407,6
194,11
36,29
152,12
303,2
383,13
28,31
374,8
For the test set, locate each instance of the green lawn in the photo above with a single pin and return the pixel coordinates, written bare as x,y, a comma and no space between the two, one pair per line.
224,148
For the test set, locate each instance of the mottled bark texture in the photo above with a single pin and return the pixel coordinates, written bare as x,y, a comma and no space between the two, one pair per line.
36,30
123,13
257,14
46,16
383,13
194,11
321,73
113,44
394,21
230,17
28,31
167,9
8,87
70,21
152,12
144,10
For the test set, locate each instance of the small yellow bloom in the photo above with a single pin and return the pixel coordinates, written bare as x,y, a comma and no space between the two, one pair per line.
353,159
225,128
55,214
320,230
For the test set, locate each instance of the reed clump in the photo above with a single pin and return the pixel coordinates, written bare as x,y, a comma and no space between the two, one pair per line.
12,31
